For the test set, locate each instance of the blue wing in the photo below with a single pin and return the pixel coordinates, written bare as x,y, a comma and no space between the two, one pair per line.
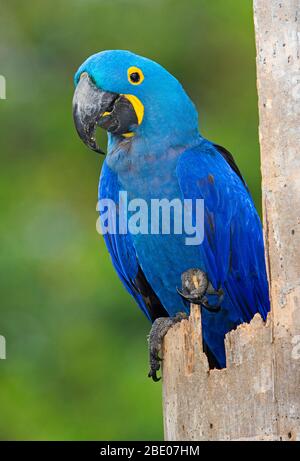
123,254
232,250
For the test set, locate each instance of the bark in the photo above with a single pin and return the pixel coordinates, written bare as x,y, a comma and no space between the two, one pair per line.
257,396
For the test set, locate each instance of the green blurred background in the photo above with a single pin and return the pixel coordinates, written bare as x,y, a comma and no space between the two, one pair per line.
76,363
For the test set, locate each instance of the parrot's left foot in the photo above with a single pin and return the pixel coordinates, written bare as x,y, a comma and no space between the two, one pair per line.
195,285
158,331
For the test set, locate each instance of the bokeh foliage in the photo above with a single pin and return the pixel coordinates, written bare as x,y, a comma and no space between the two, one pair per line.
76,343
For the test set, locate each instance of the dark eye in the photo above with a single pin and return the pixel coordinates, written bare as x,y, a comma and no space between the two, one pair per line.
135,77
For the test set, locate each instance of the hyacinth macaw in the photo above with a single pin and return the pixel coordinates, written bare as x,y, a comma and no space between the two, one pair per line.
155,151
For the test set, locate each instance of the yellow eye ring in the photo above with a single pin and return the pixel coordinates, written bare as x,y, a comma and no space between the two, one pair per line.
135,75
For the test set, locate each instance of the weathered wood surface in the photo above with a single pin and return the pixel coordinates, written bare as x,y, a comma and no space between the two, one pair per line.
257,396
229,404
277,25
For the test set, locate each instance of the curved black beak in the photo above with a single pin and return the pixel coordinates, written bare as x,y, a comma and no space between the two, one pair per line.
89,104
94,107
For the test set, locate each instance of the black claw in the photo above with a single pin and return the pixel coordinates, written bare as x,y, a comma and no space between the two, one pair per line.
199,302
154,366
209,308
152,374
190,299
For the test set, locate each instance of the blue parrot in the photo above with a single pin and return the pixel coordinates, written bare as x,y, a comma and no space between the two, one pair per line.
155,152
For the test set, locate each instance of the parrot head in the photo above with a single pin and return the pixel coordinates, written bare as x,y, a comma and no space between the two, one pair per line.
130,96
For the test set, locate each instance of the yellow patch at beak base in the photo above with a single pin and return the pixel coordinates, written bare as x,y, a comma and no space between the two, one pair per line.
137,105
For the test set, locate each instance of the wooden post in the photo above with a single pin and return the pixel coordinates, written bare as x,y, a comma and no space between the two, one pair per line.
257,396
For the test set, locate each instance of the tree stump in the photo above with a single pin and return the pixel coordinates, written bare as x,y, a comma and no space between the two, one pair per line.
257,395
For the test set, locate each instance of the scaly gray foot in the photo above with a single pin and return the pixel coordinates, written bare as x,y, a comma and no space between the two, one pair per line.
158,331
195,285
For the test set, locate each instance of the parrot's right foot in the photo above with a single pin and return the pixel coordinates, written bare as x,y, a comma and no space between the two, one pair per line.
158,331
